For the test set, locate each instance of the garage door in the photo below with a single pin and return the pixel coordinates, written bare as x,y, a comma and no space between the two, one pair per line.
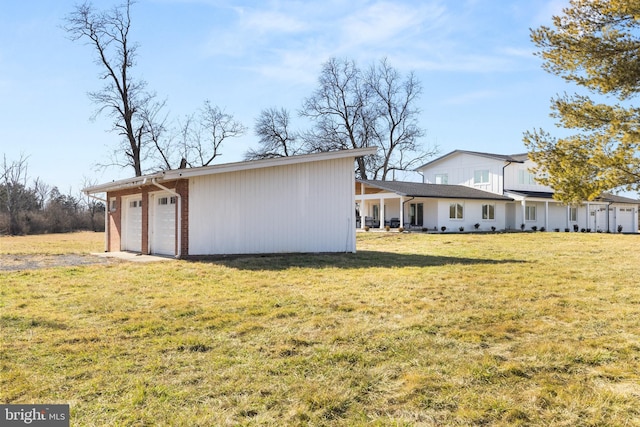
163,224
625,219
132,224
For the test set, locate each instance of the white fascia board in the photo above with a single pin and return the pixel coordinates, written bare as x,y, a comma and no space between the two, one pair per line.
121,184
267,163
227,167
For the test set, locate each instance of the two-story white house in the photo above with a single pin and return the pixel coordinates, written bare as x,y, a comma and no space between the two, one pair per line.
467,190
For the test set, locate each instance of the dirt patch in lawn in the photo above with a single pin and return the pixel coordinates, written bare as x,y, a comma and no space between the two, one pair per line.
34,262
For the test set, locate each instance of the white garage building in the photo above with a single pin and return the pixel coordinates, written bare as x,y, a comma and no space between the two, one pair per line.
281,205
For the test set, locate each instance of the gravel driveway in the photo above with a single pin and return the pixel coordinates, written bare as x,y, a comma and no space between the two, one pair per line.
34,262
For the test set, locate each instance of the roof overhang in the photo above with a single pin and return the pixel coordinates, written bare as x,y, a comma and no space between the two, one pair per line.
175,174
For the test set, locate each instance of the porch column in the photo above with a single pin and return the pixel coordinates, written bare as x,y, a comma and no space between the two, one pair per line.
568,216
381,213
401,211
362,206
587,225
524,211
546,215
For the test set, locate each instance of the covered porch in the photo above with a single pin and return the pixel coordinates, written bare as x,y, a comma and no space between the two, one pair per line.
607,213
420,206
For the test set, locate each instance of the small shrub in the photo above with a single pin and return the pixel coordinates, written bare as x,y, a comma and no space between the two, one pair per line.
575,227
543,229
566,230
620,229
387,228
588,230
493,228
400,229
443,228
534,228
557,230
583,230
522,227
366,228
476,225
461,228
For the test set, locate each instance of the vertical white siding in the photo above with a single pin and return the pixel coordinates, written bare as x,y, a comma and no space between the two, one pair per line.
305,207
460,170
472,215
512,178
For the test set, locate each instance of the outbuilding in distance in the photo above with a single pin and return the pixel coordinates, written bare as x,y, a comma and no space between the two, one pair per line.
296,204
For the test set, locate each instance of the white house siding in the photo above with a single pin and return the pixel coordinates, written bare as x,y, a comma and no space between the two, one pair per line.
472,215
304,207
460,170
558,217
512,174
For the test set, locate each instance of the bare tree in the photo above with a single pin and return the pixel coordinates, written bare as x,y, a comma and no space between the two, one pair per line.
340,109
15,196
123,97
92,205
276,137
205,133
41,190
353,109
397,115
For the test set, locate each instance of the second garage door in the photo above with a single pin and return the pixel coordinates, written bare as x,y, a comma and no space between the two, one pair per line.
163,224
132,224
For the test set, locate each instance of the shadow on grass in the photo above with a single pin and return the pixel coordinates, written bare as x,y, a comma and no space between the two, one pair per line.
361,259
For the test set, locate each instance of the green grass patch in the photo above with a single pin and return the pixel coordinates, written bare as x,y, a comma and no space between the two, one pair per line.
414,329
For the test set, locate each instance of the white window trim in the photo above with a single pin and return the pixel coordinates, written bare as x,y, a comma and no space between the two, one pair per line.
442,177
527,210
488,219
456,204
481,174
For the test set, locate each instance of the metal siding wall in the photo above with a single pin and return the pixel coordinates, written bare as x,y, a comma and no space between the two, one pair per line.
307,207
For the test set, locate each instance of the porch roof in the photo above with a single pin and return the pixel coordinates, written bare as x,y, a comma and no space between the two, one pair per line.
604,197
436,191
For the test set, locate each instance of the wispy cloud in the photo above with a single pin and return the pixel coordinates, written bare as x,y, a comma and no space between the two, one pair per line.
290,39
471,97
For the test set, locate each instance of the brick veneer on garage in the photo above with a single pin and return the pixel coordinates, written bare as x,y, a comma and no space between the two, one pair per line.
115,218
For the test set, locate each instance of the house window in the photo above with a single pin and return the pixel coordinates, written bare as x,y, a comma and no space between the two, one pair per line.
112,204
481,177
416,213
135,204
526,178
376,212
456,211
488,211
573,214
530,213
442,178
172,200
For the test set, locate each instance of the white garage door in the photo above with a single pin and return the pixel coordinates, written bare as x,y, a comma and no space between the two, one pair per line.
163,224
625,219
132,224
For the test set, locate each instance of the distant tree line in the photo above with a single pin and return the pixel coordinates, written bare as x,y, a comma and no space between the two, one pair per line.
35,207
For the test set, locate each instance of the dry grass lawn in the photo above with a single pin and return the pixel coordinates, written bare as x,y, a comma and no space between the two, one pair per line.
414,329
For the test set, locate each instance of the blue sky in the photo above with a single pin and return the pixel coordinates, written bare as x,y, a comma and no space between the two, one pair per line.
482,85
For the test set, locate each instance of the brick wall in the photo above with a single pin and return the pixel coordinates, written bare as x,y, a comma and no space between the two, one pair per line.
115,217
